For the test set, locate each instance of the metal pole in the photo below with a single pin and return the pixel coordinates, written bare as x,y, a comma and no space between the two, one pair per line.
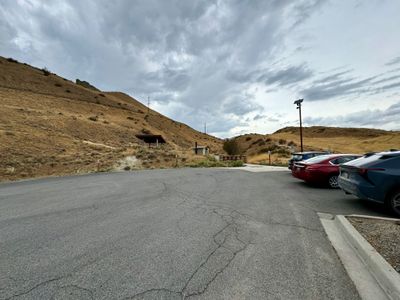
298,103
301,129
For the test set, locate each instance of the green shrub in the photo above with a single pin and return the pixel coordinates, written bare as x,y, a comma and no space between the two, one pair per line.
236,163
231,146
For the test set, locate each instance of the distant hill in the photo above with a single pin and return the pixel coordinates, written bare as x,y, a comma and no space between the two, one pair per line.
321,131
51,126
339,140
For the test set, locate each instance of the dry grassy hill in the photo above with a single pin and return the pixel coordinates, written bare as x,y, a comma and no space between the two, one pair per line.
52,126
339,140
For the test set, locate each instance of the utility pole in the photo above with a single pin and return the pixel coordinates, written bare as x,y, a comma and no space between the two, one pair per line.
205,127
148,105
298,103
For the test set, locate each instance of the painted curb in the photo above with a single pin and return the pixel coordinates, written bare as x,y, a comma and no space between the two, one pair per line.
382,271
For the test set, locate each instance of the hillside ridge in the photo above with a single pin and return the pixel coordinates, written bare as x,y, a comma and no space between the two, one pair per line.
50,126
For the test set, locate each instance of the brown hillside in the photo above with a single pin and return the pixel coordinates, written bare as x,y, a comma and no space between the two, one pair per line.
51,126
326,132
339,140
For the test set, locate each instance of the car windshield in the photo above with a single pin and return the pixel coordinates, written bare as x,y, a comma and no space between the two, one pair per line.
317,159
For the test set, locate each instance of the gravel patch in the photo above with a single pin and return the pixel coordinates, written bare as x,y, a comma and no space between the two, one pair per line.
383,235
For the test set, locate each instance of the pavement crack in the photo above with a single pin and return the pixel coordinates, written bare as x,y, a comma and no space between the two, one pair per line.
34,287
78,288
154,290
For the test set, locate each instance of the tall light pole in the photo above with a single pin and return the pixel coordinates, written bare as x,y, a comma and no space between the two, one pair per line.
298,103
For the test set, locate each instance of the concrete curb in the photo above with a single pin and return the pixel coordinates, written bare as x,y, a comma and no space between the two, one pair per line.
384,274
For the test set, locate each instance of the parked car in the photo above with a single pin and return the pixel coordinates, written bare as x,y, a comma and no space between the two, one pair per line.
323,169
375,177
300,156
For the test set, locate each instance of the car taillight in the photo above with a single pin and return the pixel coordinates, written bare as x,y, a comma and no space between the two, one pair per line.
364,171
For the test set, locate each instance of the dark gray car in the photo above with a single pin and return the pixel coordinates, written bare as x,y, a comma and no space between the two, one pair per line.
374,177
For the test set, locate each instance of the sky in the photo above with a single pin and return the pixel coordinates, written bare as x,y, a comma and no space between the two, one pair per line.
236,65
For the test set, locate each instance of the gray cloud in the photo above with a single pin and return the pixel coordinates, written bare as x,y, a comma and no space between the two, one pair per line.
283,76
287,76
259,117
174,51
394,61
365,118
343,84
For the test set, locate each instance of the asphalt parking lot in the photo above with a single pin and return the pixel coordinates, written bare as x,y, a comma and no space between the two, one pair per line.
171,234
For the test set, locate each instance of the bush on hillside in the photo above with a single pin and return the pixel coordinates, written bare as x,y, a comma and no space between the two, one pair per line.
282,141
10,59
231,146
269,148
45,71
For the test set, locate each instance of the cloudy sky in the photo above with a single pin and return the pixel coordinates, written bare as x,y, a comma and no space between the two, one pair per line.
236,64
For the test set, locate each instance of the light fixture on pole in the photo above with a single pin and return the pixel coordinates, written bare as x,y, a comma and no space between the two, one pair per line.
298,103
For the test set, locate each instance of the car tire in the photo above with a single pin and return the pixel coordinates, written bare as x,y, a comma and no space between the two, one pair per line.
393,202
333,182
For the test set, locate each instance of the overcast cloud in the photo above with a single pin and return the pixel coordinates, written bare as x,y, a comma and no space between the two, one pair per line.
237,65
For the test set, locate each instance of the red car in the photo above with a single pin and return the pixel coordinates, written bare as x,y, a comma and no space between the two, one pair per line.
323,169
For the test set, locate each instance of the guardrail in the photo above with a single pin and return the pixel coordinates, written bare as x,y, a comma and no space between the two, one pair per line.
233,157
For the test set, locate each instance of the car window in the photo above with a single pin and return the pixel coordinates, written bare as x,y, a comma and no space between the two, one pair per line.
336,161
345,159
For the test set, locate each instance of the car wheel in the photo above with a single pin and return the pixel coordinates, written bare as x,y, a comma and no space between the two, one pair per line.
333,182
394,202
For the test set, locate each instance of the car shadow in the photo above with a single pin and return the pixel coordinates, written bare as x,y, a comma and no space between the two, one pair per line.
340,203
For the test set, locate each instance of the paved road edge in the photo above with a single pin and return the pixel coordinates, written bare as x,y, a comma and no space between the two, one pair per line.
373,277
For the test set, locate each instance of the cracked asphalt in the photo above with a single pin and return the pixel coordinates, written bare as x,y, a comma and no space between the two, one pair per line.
171,234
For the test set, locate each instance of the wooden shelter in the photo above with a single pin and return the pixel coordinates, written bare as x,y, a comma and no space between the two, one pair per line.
151,139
